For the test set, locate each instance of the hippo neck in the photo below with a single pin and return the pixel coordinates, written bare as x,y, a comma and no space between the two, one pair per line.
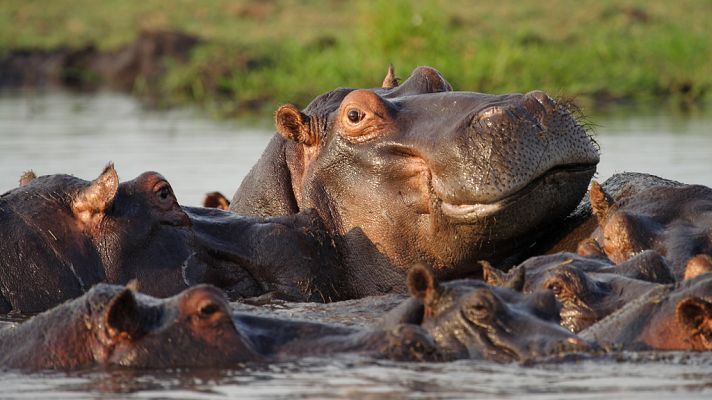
266,190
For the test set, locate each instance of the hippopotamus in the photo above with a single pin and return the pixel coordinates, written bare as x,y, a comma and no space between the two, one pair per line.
674,220
418,172
470,319
588,289
670,317
60,235
633,212
113,325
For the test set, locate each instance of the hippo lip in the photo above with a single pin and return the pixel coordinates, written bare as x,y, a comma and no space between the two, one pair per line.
480,210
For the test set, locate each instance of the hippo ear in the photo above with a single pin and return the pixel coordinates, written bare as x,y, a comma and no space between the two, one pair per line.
514,279
95,198
122,316
390,81
695,314
294,125
697,265
421,283
216,200
27,177
601,203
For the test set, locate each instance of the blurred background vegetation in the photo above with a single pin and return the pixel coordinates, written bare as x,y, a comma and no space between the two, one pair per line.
256,54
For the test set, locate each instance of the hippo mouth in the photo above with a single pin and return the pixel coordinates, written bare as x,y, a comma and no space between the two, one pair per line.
476,211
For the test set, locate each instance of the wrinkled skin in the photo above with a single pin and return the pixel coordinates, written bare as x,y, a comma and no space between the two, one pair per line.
470,319
420,173
671,317
59,235
113,325
588,289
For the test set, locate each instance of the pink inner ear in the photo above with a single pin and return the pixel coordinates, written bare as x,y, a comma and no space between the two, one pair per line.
95,198
694,312
292,124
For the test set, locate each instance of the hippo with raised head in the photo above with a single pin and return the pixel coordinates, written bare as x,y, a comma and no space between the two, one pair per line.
670,317
588,289
113,325
60,235
420,173
470,319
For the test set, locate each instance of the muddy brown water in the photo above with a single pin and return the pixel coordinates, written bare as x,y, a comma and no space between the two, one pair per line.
61,133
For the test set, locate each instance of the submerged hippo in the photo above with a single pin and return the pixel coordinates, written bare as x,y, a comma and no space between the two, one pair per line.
60,235
470,319
671,317
420,173
588,289
113,325
674,220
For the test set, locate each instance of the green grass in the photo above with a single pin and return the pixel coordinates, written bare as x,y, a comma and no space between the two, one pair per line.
258,54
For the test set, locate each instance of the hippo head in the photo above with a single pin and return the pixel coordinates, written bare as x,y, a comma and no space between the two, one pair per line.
475,320
192,329
425,173
60,235
669,317
683,320
587,288
114,325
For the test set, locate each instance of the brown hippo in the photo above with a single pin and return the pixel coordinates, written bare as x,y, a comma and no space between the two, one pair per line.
113,325
670,317
470,319
59,235
634,212
588,289
420,173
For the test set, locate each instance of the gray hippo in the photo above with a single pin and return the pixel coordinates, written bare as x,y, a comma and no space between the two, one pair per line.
114,326
669,317
470,319
60,235
587,288
421,173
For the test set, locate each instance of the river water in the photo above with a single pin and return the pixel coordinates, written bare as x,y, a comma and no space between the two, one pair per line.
78,134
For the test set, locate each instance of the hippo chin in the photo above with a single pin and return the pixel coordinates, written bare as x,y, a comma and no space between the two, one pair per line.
426,174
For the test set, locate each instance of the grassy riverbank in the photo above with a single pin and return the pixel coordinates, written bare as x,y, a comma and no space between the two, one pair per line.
257,54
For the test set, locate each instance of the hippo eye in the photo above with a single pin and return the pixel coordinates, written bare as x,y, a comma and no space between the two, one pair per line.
208,310
164,193
354,116
479,310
